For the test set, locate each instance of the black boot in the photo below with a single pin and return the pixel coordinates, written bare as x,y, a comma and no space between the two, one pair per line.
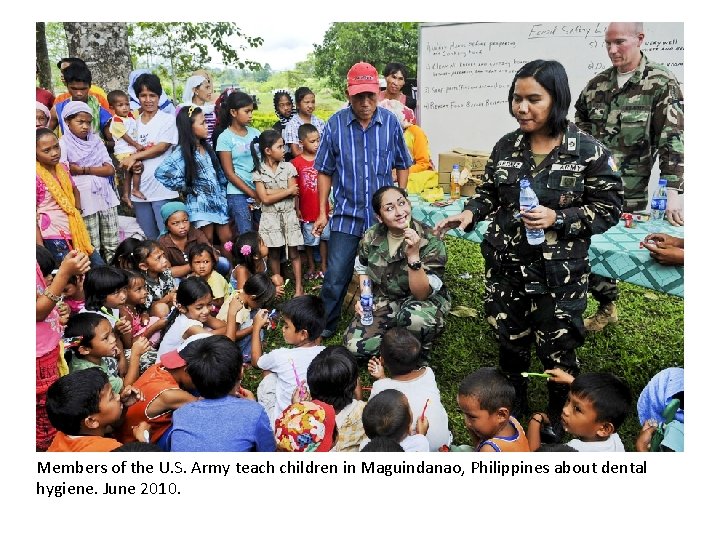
557,396
520,407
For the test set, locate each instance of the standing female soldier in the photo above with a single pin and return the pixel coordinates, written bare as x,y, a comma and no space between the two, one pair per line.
539,293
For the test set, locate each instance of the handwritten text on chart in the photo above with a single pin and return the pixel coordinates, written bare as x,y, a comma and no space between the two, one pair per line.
543,31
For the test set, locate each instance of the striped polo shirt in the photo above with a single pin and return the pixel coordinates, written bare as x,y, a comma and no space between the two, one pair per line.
359,161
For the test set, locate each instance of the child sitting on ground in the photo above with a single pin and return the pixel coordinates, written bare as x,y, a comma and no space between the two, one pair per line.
388,414
179,237
250,255
485,398
124,130
74,294
149,259
221,421
82,406
306,426
400,353
382,444
303,319
333,378
597,406
203,260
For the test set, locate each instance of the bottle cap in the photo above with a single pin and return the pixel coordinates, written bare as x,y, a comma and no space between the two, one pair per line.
524,183
456,166
662,182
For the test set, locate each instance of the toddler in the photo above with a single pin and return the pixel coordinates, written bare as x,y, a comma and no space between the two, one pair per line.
124,131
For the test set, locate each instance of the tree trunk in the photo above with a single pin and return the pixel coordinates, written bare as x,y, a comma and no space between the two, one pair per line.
41,57
105,49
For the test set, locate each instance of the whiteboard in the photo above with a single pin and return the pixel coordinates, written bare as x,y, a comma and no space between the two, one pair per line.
465,71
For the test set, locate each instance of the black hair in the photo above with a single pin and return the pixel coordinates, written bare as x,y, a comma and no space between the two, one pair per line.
142,251
198,249
77,73
188,143
376,200
249,238
382,444
610,396
115,95
45,260
149,81
400,351
100,282
213,364
490,387
132,275
137,446
332,376
41,132
83,326
305,130
387,415
70,60
189,291
551,75
394,67
123,253
276,102
555,448
264,141
229,102
74,397
261,288
306,312
301,92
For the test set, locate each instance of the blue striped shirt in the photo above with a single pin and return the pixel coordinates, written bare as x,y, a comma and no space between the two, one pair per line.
359,162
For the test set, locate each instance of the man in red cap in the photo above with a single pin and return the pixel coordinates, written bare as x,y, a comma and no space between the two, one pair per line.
360,147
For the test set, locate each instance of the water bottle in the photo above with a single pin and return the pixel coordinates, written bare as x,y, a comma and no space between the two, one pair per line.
455,182
366,302
658,203
528,201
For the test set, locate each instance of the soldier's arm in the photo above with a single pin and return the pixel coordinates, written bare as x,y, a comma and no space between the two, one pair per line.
582,115
668,125
485,199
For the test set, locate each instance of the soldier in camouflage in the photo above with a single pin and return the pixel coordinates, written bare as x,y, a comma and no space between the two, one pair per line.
635,108
405,262
537,294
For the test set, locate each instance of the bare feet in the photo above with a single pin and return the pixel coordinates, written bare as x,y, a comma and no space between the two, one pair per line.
139,194
126,201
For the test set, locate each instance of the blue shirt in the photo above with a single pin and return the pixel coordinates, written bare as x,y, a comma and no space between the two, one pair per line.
226,424
360,161
239,148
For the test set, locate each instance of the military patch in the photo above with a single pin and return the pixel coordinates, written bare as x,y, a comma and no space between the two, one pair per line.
574,167
611,163
567,181
510,164
565,200
572,143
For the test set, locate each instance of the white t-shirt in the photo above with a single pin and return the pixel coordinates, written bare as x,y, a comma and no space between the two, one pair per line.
417,392
160,129
174,337
415,443
278,361
612,444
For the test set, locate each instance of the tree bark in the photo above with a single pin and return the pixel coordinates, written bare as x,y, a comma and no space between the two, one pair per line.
105,49
41,55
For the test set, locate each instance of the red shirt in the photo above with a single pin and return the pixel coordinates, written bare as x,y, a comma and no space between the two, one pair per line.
152,383
308,190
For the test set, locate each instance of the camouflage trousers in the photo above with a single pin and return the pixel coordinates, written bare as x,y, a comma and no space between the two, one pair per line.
603,289
424,318
552,320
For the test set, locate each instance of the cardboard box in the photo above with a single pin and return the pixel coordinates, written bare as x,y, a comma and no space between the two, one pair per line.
473,160
468,190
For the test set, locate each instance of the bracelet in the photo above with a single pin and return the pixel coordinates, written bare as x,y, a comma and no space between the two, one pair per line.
55,299
535,418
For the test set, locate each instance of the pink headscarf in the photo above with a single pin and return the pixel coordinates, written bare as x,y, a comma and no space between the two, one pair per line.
86,153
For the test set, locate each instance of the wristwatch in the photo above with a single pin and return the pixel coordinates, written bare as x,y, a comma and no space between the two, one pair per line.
559,221
417,265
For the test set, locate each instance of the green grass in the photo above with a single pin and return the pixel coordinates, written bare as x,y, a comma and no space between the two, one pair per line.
648,338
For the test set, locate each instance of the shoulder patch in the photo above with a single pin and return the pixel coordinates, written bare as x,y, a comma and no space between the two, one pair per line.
509,164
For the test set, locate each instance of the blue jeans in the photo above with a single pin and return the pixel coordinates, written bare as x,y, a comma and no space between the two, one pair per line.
244,219
342,250
149,218
58,249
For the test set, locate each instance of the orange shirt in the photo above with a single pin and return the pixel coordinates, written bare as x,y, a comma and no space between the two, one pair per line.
96,91
82,443
152,383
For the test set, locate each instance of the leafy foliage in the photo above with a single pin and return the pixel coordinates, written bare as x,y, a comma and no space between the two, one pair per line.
345,44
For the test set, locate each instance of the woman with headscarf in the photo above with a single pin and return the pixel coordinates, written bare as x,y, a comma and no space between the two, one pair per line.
164,103
42,115
198,91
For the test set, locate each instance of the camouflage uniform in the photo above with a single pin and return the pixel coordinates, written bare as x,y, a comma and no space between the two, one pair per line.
638,122
394,303
538,293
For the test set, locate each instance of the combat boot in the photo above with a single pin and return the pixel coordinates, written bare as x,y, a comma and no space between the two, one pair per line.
520,407
606,314
557,396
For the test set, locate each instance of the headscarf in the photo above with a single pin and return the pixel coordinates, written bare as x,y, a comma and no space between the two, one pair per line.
190,85
658,393
87,153
284,119
168,209
40,107
164,104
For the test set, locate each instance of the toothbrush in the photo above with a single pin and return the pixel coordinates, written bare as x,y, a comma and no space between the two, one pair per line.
541,375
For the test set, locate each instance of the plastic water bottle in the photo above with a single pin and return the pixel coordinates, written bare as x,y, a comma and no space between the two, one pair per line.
455,182
528,201
366,303
658,203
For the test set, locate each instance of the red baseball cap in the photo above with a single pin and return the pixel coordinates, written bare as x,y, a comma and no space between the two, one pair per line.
362,77
174,359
